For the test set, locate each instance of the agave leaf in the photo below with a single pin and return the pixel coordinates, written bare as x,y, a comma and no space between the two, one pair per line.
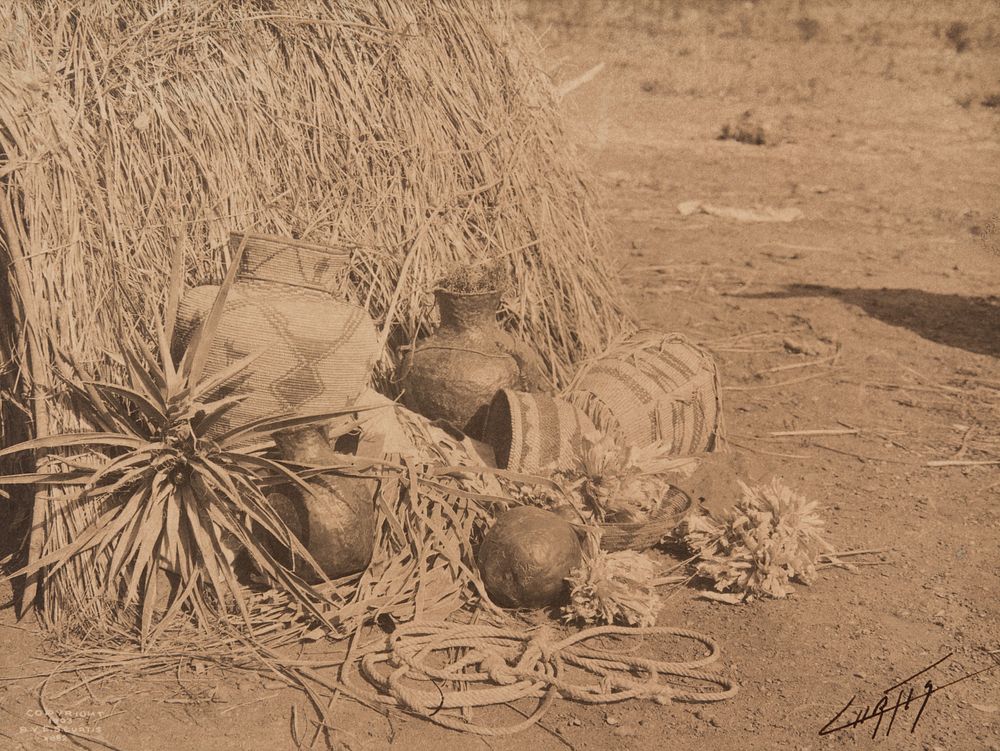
171,548
67,440
73,477
201,340
152,411
255,505
267,464
126,513
166,358
97,411
133,475
150,379
124,548
215,412
212,475
178,401
60,557
219,521
267,425
131,459
203,546
148,543
175,287
363,469
213,558
218,379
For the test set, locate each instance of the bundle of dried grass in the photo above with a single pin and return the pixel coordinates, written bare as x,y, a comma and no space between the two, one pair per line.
413,136
609,588
771,536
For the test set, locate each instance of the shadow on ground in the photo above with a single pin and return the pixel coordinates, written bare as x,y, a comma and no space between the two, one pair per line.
971,323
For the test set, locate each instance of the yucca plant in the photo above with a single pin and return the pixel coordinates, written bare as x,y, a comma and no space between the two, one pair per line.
167,495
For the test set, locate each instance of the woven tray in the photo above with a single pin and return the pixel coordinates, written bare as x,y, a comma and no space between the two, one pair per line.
646,534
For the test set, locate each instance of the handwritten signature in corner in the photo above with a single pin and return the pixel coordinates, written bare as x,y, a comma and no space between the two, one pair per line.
882,707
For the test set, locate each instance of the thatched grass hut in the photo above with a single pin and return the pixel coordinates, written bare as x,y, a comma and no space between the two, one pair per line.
412,134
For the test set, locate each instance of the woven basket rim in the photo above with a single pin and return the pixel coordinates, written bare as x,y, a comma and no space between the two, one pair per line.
620,536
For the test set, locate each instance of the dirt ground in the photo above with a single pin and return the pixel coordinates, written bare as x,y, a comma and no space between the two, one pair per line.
873,312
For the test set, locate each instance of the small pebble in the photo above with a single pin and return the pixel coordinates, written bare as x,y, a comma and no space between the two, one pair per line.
625,731
574,722
612,719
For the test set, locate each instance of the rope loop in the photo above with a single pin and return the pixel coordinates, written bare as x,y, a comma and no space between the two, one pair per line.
470,666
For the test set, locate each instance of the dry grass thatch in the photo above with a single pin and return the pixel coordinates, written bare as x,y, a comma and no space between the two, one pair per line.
414,135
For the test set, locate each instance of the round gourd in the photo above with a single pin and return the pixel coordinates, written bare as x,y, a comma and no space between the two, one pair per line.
526,556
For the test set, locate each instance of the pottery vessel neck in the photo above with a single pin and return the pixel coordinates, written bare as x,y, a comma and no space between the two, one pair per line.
461,310
308,445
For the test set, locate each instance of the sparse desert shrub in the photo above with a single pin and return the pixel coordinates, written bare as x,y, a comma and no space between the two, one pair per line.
744,130
957,35
808,28
992,100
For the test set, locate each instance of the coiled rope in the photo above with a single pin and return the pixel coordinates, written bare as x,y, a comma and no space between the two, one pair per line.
498,666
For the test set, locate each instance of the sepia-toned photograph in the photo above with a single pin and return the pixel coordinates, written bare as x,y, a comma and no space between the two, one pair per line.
496,374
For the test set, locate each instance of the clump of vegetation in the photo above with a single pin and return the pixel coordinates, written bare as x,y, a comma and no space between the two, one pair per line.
471,279
771,536
613,588
168,496
992,101
957,35
744,130
808,28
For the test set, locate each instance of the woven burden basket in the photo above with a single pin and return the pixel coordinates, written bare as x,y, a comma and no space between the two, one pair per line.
532,433
272,258
645,534
317,352
654,387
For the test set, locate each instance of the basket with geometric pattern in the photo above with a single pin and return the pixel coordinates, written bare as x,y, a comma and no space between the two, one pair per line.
316,353
653,388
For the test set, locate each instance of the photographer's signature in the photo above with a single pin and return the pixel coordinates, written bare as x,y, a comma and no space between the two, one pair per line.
907,701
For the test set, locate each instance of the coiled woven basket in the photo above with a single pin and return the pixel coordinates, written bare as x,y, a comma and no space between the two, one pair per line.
273,258
317,352
653,388
532,433
645,534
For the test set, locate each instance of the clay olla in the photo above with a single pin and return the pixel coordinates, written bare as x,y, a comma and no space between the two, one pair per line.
336,521
454,373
